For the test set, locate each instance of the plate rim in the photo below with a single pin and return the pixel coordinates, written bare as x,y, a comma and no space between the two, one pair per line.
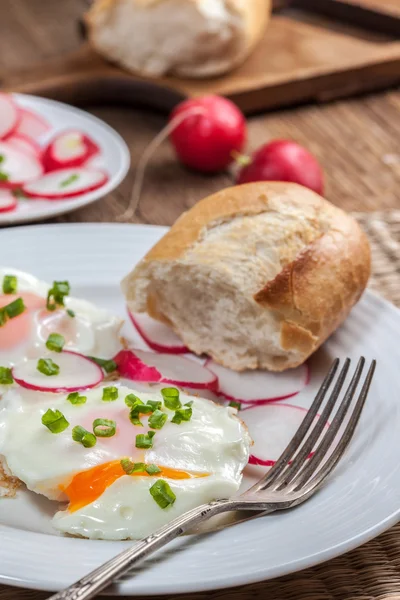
232,579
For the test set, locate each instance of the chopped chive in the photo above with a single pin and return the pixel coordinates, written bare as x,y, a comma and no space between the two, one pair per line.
47,367
104,427
152,470
12,310
182,414
235,404
55,421
134,418
110,394
131,400
157,419
171,398
84,437
70,313
10,284
75,398
154,404
6,377
162,493
145,440
108,365
69,180
55,342
4,176
129,467
56,294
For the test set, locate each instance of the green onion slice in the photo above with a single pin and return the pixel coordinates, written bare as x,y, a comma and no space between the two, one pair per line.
162,493
235,404
131,400
154,404
104,427
47,367
69,180
182,414
84,437
108,365
10,284
55,421
157,419
153,470
110,394
56,294
70,313
12,310
129,467
6,377
145,440
75,398
171,398
55,342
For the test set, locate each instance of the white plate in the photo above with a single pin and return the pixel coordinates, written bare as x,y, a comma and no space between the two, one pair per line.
115,158
361,499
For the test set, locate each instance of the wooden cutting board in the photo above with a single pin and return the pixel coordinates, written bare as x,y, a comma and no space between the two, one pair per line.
312,50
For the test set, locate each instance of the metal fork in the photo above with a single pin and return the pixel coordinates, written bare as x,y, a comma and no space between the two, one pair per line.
309,458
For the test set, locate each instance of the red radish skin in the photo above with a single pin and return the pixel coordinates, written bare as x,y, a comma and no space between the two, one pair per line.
229,379
284,160
19,167
154,333
69,149
91,371
24,144
32,125
150,367
49,186
207,141
10,115
8,202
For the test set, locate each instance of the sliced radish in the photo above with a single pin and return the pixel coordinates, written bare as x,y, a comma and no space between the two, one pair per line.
8,202
250,387
158,336
65,183
76,373
271,426
32,125
10,115
24,144
17,167
139,365
69,149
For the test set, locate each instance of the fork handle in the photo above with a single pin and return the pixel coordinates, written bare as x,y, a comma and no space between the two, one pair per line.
103,576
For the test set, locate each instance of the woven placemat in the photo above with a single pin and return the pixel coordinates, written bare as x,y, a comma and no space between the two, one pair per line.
372,572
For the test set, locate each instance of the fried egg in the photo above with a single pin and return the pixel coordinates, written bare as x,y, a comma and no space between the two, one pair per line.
86,328
198,459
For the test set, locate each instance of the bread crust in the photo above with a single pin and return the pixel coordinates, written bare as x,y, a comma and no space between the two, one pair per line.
254,13
314,292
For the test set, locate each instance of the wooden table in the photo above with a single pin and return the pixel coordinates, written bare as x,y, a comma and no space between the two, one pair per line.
357,142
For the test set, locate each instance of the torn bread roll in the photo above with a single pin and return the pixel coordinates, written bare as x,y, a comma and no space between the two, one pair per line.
189,38
255,276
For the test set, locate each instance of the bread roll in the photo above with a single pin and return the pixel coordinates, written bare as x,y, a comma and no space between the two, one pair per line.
255,276
190,38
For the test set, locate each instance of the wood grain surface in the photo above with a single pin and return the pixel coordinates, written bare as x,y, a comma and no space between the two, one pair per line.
357,142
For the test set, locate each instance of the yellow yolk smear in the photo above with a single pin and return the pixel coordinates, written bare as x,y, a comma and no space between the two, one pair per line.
87,486
18,329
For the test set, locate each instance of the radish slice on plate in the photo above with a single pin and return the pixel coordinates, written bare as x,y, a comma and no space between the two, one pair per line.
16,167
8,202
251,387
158,336
10,115
32,125
24,144
271,427
139,365
65,183
76,373
69,149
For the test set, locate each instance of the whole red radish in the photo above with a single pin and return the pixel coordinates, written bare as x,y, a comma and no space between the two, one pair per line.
213,129
284,160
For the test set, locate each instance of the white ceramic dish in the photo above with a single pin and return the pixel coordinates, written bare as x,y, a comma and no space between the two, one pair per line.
361,499
115,158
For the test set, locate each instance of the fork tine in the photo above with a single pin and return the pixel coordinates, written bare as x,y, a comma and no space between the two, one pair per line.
296,441
346,438
315,433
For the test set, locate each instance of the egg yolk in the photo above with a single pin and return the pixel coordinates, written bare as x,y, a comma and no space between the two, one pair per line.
87,486
15,330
